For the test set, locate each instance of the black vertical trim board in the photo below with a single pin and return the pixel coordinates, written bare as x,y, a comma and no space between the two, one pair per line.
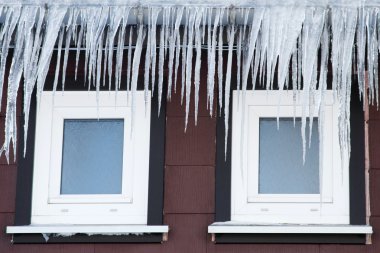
357,160
356,170
156,156
156,160
25,168
223,166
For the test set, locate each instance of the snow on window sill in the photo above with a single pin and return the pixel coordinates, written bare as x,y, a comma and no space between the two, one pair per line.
68,230
246,228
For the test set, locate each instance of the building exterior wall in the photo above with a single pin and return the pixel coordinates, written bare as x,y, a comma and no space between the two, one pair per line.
189,196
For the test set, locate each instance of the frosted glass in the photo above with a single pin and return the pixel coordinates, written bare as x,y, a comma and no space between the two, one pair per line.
92,158
281,168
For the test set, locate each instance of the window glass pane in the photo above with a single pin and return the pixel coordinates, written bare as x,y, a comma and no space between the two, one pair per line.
281,168
92,158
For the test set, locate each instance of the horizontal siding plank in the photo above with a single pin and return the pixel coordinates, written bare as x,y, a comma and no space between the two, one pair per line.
189,189
375,246
128,248
374,143
8,175
78,248
196,146
3,159
175,109
6,219
264,248
188,233
375,192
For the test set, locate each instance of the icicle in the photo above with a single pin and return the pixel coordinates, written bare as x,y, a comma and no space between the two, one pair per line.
198,44
129,64
314,19
117,14
53,20
154,13
161,67
11,19
147,60
344,23
58,64
178,45
120,48
189,60
14,78
31,54
79,45
252,37
295,20
220,68
238,58
135,68
184,52
211,65
231,35
173,41
69,32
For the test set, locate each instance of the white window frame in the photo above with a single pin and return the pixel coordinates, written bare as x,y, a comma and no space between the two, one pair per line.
247,205
129,207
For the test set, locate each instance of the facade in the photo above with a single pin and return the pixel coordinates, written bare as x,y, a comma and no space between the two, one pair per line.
242,172
189,197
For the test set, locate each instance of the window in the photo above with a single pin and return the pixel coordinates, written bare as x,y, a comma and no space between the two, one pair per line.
94,166
266,193
88,163
270,182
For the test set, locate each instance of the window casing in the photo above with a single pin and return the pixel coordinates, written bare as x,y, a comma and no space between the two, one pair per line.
49,206
247,203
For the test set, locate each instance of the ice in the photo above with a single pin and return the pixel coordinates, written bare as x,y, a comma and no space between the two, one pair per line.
198,45
227,86
178,45
220,67
129,64
135,68
211,61
283,46
154,15
71,23
58,64
189,59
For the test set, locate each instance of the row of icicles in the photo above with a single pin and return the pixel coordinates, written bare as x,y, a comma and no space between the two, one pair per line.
263,42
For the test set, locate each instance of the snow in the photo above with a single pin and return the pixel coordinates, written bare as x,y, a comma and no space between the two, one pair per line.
292,42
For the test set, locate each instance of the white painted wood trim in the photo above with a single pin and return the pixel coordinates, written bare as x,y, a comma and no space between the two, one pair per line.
87,229
289,229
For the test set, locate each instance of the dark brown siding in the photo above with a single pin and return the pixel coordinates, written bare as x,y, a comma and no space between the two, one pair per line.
189,198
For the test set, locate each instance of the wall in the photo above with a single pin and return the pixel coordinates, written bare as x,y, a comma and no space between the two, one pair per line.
189,194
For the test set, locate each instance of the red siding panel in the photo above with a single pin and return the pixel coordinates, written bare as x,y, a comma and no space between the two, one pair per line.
78,248
375,247
128,248
5,240
343,248
374,141
264,248
174,108
195,147
189,189
7,187
375,192
188,233
374,113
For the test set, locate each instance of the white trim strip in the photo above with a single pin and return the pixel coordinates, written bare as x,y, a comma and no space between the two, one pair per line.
289,229
87,229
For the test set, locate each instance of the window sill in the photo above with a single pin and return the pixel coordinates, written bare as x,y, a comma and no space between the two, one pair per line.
88,233
232,232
